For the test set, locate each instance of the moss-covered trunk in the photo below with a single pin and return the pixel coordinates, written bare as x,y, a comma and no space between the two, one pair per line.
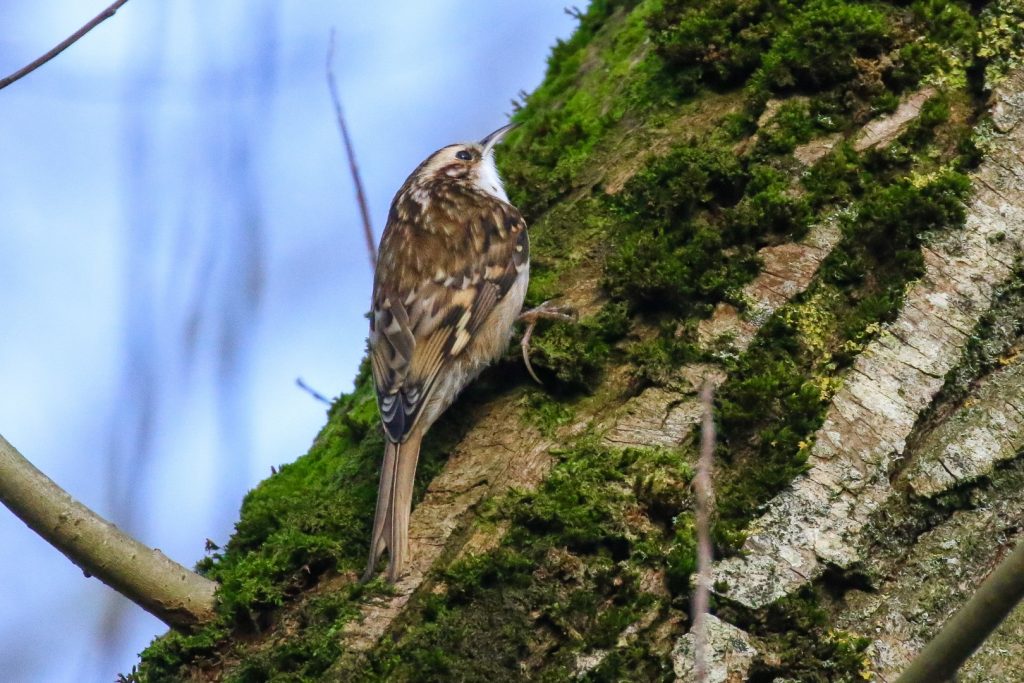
817,207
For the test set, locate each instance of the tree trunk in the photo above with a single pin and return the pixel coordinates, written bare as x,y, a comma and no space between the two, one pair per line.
817,208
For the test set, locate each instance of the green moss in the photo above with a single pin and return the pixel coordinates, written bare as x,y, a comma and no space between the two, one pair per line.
942,47
682,270
818,49
836,179
656,360
783,46
683,232
921,130
718,42
493,632
638,660
667,256
767,413
884,234
453,642
544,411
796,629
562,242
682,555
162,660
309,657
575,508
691,176
791,125
769,208
843,175
1000,42
565,579
544,283
688,226
894,217
593,80
777,393
574,353
797,121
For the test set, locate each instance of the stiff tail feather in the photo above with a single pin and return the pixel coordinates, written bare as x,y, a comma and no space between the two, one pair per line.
394,503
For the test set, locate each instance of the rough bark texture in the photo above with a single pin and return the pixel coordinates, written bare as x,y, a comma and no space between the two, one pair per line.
488,461
732,654
815,207
974,439
819,520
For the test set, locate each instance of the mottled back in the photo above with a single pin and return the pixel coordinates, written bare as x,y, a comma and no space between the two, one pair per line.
450,252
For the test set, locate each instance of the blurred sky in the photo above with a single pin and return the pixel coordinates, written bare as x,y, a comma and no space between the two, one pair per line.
179,241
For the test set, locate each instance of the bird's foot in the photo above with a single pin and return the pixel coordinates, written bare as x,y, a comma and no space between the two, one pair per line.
531,317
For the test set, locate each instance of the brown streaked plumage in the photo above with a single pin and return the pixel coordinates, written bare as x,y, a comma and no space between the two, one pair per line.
451,276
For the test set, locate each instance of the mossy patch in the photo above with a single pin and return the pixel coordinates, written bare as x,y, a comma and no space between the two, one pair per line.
657,359
682,233
1000,41
778,391
576,351
796,629
566,579
593,80
689,223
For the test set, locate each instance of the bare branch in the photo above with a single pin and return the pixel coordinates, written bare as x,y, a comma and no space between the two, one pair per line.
301,383
179,597
371,243
705,495
65,44
968,628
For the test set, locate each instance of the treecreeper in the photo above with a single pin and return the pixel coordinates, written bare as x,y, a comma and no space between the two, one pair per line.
451,276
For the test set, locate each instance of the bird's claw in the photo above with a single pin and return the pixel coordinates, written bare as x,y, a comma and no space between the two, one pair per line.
531,317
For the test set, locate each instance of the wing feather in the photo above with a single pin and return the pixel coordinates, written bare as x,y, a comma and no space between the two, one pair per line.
429,301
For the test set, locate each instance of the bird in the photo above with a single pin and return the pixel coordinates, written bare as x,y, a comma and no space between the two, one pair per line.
452,272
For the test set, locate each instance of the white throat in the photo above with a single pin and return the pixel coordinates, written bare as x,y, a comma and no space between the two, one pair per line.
487,178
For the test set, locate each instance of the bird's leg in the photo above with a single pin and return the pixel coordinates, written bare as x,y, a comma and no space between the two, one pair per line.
543,312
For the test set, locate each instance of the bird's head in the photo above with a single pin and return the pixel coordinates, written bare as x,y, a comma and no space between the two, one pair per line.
471,162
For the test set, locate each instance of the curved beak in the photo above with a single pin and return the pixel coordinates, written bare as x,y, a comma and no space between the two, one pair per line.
497,136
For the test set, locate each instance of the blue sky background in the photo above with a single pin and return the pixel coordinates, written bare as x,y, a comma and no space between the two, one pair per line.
179,242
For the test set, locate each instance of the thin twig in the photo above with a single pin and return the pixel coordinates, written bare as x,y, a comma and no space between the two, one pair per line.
167,590
705,496
311,391
65,44
371,243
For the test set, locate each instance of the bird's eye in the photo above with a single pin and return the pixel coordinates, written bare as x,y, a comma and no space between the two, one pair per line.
464,155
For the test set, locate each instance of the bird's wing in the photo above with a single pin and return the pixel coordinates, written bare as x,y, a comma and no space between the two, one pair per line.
435,287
